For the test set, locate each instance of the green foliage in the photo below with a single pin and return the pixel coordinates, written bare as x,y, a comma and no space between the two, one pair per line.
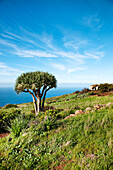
105,87
37,84
71,111
17,125
50,118
47,119
7,106
63,114
6,116
81,142
34,81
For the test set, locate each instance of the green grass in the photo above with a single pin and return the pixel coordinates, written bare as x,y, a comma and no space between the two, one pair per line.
81,142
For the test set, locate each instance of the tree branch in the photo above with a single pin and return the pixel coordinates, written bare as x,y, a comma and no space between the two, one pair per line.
45,86
48,88
25,91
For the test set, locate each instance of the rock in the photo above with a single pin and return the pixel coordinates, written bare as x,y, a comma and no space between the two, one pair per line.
67,117
71,115
109,104
88,109
66,109
78,112
97,106
104,105
24,134
67,143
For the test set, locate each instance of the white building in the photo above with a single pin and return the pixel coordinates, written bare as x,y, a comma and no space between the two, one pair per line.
93,87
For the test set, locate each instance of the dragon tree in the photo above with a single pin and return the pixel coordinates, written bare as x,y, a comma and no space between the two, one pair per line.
37,84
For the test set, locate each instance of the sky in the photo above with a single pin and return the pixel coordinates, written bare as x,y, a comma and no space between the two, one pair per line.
70,39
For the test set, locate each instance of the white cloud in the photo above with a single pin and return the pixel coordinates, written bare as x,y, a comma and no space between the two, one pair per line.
76,69
6,70
42,46
93,22
26,66
14,35
35,53
7,36
75,44
2,65
59,66
7,43
95,55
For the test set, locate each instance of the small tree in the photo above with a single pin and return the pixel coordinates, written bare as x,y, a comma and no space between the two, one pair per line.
37,84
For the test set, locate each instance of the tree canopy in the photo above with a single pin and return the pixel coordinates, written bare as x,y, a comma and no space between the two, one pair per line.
37,84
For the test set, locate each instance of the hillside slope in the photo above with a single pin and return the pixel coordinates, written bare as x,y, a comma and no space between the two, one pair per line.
81,142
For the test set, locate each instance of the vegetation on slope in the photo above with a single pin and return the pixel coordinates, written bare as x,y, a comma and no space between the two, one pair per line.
50,142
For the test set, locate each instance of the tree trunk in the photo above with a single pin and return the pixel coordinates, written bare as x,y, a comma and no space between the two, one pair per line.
35,105
39,104
43,100
45,97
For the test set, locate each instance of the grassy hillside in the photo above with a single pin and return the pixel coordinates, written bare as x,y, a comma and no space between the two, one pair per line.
52,142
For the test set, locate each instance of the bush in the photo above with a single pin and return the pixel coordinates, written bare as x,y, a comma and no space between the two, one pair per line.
105,87
7,106
85,90
46,121
6,117
76,92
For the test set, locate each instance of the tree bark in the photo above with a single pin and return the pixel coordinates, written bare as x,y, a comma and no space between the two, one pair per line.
45,97
43,101
39,104
38,97
35,103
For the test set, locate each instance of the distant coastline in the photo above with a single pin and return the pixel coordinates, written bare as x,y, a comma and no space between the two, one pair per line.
58,84
8,95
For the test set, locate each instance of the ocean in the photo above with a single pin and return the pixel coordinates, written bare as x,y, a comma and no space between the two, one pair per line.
9,96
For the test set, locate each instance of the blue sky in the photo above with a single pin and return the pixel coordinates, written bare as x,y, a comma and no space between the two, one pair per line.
69,38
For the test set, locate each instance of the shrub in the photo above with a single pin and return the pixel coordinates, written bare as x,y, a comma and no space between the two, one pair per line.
105,87
6,117
46,121
76,92
85,90
7,106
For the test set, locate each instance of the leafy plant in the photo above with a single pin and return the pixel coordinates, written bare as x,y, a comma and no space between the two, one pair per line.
17,125
5,118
